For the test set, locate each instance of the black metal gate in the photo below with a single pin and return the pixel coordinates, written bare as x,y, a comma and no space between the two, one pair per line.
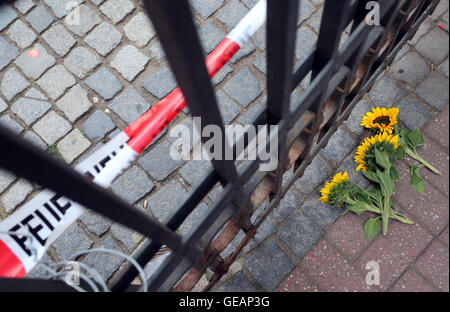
340,76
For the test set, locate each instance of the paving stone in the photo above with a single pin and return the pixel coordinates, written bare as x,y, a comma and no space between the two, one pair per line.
74,103
81,61
339,145
431,208
411,282
314,174
139,30
423,29
34,67
441,8
8,52
95,222
443,68
444,237
30,110
24,5
56,81
166,200
385,92
243,87
16,195
59,39
129,62
210,36
221,74
105,263
264,231
434,45
104,38
62,7
299,233
132,185
129,105
434,265
353,122
261,63
160,83
412,113
11,124
232,13
289,203
228,109
193,219
332,271
117,10
35,140
238,283
6,178
39,271
206,7
157,52
82,20
97,125
349,165
260,38
52,127
73,145
40,19
439,127
22,35
395,252
297,281
126,236
104,83
434,90
306,40
157,163
13,83
248,117
3,105
306,10
244,51
194,170
7,15
35,94
269,265
411,68
97,2
323,214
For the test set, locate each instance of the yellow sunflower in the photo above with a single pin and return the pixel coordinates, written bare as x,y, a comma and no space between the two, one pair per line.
381,119
326,190
362,150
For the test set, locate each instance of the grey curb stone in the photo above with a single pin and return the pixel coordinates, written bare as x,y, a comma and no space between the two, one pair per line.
385,92
11,124
264,231
52,127
6,178
354,120
81,61
104,83
87,17
30,110
8,52
193,219
206,7
95,222
269,265
59,39
35,67
238,283
62,7
166,200
129,62
160,83
73,145
24,5
323,214
117,10
411,68
158,162
128,237
210,36
72,241
40,19
12,83
289,203
412,113
194,170
7,15
16,195
349,165
139,30
314,174
129,105
243,87
300,233
228,109
97,125
104,38
22,35
74,103
34,139
434,90
132,185
56,81
304,42
434,45
339,145
232,13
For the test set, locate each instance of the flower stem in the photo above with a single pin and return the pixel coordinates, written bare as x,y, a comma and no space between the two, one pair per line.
385,214
417,157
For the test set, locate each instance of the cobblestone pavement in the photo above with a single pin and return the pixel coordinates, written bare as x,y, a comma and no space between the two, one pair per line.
92,79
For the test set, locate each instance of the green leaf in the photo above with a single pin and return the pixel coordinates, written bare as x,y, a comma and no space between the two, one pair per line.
372,227
416,138
375,193
394,173
371,176
382,160
386,183
417,180
358,208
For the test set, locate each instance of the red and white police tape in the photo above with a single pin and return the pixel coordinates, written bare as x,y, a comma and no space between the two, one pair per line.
48,214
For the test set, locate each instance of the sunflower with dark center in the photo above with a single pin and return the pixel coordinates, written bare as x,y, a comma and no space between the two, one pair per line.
381,119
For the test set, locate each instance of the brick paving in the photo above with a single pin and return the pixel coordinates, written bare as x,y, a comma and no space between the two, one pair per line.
92,79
